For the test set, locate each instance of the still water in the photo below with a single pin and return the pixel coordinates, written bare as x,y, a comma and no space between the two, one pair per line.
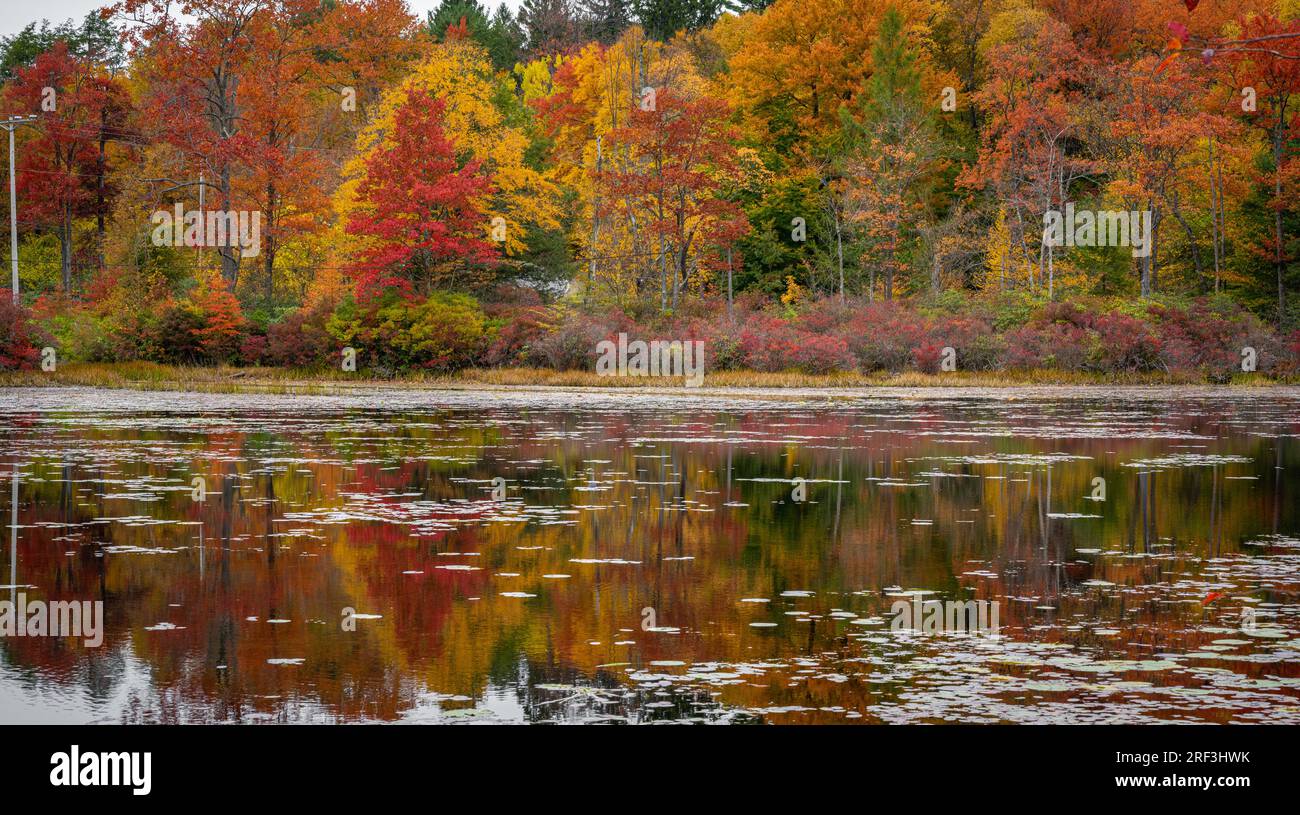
425,556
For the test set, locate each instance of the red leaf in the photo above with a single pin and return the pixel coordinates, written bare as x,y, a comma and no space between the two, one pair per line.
1211,597
1178,30
1191,4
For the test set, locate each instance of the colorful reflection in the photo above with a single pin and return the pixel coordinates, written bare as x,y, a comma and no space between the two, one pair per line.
446,557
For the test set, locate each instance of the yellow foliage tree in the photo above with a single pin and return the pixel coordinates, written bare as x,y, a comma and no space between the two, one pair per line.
535,77
1006,263
810,56
594,93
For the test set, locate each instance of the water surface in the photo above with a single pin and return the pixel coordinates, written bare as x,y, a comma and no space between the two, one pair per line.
652,558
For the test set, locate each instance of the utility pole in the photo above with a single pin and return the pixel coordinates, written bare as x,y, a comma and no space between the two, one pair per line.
11,124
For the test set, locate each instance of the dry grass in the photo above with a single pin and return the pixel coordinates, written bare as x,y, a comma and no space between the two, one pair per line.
794,379
152,376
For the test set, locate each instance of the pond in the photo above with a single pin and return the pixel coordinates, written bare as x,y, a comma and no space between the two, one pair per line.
655,556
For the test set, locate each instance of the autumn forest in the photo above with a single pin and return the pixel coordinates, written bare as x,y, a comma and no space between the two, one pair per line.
815,186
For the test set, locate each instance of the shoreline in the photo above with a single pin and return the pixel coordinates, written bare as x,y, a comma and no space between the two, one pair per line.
148,377
151,376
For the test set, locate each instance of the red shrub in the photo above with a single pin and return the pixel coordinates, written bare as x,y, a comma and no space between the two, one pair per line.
971,337
1291,351
571,345
821,354
522,329
1064,313
1125,343
1204,338
826,315
928,357
1062,346
220,332
18,337
721,337
882,336
766,342
253,350
769,343
301,338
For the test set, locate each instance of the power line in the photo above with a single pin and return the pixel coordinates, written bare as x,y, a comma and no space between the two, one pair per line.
143,140
351,267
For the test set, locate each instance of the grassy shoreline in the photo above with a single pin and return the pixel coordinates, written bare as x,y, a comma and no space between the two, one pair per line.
221,379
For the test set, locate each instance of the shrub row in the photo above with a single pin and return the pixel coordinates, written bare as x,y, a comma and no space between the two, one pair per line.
445,332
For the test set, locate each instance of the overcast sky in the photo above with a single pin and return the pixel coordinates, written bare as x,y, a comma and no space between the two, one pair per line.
15,15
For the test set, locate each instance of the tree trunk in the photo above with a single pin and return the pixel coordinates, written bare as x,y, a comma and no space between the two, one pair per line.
270,246
65,249
100,166
1278,136
1154,239
595,225
229,255
1216,204
1051,273
890,254
1191,243
839,247
730,315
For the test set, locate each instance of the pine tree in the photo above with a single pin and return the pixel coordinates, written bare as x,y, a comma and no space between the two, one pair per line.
605,20
893,149
450,12
661,19
500,34
506,43
742,6
549,25
894,88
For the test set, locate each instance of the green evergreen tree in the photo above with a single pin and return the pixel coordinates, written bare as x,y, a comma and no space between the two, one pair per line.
605,20
500,34
891,149
451,12
550,26
661,19
95,39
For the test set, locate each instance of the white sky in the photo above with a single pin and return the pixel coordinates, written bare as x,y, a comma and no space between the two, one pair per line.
14,15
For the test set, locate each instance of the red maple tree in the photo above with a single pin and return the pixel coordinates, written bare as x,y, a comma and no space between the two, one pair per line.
419,207
61,172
